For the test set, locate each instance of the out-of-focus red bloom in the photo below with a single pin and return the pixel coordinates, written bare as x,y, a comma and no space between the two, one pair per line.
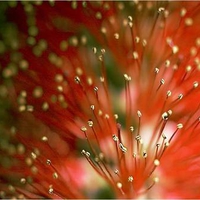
104,99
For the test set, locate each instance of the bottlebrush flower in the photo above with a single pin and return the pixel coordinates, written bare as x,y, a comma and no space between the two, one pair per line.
104,100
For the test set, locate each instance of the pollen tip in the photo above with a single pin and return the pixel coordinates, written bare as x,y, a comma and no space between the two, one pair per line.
85,153
166,144
131,128
188,21
116,35
161,9
164,136
179,126
107,116
156,162
144,43
135,55
138,137
83,128
183,12
127,78
156,179
170,112
144,154
156,70
44,139
130,179
130,19
94,49
51,190
115,138
102,79
101,156
119,185
188,68
162,81
48,162
116,116
55,175
23,180
123,148
139,114
180,96
116,171
45,106
100,58
103,51
77,79
175,49
11,188
134,155
165,116
195,84
96,89
92,107
90,123
33,155
167,63
137,39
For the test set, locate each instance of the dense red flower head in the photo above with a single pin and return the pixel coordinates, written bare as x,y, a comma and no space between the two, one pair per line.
110,93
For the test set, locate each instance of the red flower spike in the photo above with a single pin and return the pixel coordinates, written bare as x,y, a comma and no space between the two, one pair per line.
41,166
150,149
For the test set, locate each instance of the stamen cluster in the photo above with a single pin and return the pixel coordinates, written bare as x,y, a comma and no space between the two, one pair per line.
100,91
